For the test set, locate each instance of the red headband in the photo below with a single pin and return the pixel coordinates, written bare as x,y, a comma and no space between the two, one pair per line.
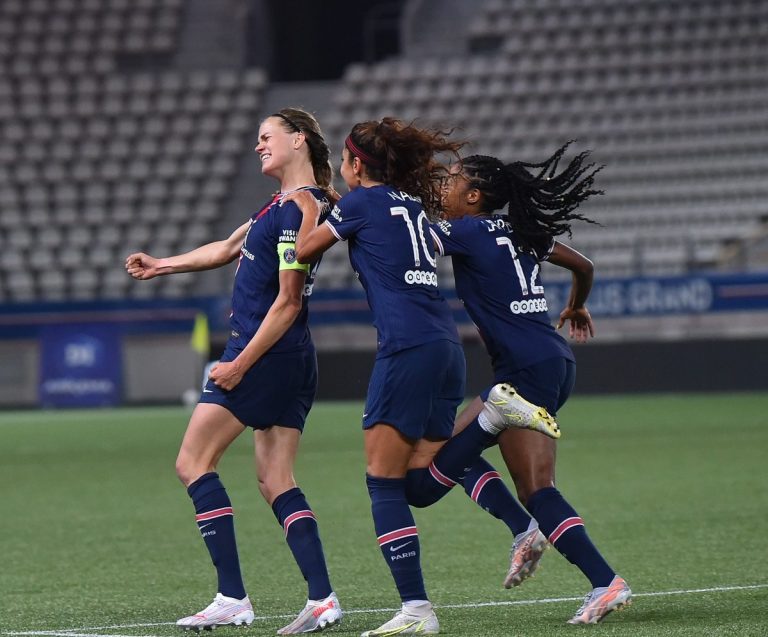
365,157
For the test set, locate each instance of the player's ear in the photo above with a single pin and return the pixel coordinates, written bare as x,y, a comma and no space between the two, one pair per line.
473,196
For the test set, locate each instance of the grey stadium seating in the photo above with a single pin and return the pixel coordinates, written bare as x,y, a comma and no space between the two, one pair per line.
95,160
671,96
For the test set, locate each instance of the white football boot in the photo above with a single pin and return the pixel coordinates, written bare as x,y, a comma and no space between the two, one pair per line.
223,611
411,620
316,616
602,601
524,556
505,408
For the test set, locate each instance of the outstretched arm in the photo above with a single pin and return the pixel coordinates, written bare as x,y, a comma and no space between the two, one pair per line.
582,269
211,255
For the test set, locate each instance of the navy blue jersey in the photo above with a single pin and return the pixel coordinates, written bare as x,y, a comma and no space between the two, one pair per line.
391,252
501,290
268,248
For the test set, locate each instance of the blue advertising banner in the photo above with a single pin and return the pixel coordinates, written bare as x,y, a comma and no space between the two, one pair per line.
638,296
669,295
649,296
80,366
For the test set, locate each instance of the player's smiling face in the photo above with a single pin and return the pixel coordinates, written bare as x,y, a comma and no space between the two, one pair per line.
347,170
275,147
456,193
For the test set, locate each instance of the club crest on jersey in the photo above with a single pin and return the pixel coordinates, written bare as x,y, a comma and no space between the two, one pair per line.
289,255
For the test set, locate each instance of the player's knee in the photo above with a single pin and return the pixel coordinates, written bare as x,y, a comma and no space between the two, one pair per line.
271,486
529,485
183,472
188,471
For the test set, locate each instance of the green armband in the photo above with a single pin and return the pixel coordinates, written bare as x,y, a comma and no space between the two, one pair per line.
286,253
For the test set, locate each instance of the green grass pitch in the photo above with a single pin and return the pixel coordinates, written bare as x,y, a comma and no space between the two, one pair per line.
98,538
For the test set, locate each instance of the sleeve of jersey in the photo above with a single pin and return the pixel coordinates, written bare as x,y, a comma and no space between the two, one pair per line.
545,256
447,237
346,218
286,243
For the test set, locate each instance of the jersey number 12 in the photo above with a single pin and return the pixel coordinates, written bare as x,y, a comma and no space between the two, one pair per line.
535,289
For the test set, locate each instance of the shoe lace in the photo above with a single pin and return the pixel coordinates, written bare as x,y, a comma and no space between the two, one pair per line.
587,600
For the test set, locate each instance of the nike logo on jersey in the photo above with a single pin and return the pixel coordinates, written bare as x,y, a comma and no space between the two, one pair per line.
207,391
397,548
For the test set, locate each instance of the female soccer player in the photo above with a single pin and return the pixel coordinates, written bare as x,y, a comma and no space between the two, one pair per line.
496,260
266,378
417,381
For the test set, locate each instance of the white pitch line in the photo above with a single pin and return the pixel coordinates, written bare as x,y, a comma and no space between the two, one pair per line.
80,632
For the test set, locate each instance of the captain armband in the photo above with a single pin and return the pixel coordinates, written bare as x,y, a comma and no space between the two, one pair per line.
286,253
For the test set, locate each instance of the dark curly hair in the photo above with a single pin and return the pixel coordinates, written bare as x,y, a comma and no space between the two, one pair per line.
541,200
403,156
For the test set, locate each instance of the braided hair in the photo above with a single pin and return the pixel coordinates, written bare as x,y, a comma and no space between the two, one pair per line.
541,201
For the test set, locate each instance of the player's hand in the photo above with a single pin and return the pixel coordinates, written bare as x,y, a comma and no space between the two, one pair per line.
226,375
305,200
141,266
581,326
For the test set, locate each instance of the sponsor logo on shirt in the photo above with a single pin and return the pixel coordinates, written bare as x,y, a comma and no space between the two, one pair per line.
420,277
247,254
336,213
287,236
445,227
529,306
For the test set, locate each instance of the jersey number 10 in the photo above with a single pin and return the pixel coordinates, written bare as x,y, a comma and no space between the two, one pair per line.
402,211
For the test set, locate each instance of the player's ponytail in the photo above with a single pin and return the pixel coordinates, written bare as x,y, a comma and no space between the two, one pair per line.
403,156
541,200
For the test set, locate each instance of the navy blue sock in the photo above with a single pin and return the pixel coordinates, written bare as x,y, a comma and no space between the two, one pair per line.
397,535
300,526
484,485
424,487
565,530
457,456
216,522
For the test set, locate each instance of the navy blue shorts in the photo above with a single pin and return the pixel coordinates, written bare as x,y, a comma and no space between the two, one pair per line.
547,384
417,390
278,390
